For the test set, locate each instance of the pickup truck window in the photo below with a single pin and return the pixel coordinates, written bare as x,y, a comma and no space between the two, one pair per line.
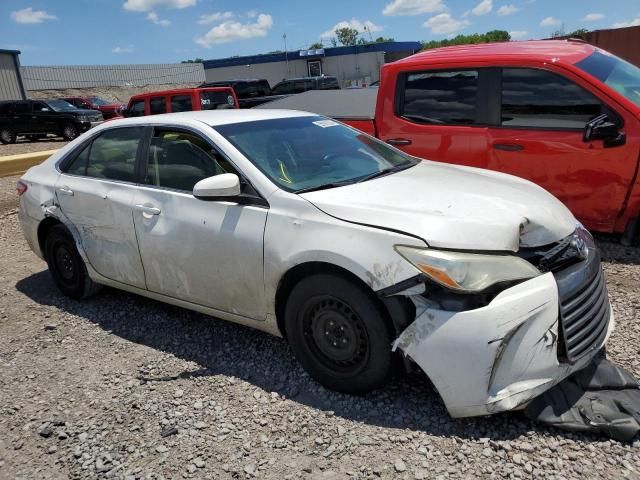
540,99
440,97
181,103
622,76
137,108
157,105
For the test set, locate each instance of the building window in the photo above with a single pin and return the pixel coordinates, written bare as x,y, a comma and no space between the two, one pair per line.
314,67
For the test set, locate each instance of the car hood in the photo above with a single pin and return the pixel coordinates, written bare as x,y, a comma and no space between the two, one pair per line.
83,111
450,206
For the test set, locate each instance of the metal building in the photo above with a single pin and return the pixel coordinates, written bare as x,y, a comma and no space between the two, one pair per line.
11,86
350,65
85,76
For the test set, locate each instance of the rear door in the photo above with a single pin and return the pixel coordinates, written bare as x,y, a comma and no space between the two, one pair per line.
206,252
540,138
438,115
96,193
21,117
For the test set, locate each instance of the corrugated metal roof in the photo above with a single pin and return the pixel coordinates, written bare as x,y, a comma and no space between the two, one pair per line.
79,76
327,52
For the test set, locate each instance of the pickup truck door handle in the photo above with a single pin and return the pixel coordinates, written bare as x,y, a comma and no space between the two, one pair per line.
508,147
148,209
66,191
399,141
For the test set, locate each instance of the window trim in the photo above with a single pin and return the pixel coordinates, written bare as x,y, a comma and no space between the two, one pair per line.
258,200
164,102
619,120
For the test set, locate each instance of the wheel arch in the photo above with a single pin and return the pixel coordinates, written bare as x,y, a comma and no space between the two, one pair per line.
398,311
43,229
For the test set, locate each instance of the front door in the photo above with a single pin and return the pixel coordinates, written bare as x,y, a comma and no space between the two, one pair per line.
540,138
96,194
205,252
43,118
314,68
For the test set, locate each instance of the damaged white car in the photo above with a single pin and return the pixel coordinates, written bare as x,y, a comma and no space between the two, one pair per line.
356,253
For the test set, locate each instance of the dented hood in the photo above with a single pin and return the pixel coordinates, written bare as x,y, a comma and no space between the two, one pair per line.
450,206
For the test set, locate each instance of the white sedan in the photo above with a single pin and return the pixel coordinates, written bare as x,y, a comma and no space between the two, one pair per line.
355,252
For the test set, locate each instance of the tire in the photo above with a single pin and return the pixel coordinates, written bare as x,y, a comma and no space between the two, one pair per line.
321,313
7,135
69,131
66,265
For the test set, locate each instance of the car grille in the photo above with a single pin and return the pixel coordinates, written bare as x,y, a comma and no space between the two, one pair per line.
584,317
95,118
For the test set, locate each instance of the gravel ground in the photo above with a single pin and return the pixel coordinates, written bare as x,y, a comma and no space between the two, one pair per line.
124,387
26,146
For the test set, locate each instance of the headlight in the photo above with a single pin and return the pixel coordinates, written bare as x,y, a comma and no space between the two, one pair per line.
82,118
467,272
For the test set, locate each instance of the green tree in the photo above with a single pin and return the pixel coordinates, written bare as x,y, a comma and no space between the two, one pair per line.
383,39
474,38
347,36
315,46
579,33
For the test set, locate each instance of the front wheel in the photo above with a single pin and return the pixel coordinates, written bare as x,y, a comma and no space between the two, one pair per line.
338,334
69,131
66,265
7,135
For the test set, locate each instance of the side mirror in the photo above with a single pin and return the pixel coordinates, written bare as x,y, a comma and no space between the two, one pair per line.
217,187
602,128
44,109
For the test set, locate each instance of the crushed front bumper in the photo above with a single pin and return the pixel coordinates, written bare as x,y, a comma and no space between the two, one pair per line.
501,356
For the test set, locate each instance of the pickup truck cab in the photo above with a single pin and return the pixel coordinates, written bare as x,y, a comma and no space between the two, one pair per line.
250,91
181,100
563,114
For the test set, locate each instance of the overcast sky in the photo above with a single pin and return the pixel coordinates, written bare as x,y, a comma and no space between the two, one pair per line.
53,32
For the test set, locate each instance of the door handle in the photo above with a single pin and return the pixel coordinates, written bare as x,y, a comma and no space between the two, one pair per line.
508,147
149,210
66,191
399,141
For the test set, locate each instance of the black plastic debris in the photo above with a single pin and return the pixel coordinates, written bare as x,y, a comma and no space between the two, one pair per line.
602,398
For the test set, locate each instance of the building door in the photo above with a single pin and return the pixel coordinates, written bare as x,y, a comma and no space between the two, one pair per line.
314,67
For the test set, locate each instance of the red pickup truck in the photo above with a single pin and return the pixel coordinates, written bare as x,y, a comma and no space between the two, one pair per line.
563,114
108,110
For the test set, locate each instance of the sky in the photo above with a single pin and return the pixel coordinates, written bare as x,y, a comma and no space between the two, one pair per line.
85,32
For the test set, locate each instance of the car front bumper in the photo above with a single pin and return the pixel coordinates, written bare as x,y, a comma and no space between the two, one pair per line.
501,356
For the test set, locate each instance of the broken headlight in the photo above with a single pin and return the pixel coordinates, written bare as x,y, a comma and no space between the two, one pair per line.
468,272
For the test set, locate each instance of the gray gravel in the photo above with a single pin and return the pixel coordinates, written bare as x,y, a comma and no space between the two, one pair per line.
124,387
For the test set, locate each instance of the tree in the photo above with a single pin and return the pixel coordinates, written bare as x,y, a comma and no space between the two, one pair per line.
492,36
579,33
347,36
383,39
316,46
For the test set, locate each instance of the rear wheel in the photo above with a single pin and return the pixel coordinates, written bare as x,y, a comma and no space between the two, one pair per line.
338,334
7,135
66,265
69,131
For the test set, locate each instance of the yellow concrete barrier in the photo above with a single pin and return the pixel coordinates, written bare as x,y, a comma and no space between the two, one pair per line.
17,164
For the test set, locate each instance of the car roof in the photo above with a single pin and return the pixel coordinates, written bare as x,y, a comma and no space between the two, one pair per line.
568,51
213,117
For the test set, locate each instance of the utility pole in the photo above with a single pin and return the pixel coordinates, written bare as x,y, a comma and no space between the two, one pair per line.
286,54
370,36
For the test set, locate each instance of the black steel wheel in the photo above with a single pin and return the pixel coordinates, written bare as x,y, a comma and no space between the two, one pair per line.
66,265
7,135
339,334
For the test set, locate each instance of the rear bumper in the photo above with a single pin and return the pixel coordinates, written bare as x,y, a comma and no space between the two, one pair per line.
501,356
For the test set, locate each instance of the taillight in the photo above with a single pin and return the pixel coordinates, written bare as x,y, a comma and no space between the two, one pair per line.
21,187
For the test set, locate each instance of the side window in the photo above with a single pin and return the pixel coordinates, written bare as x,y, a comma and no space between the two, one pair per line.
157,105
5,108
21,107
113,154
78,165
536,98
179,160
282,88
181,103
40,106
440,97
136,109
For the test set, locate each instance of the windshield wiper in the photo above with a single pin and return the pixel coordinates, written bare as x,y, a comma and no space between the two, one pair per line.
386,171
324,186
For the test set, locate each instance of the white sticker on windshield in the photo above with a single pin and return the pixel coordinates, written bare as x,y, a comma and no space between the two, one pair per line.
326,123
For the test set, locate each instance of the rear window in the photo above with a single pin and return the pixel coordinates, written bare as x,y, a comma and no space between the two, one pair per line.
157,105
440,97
181,103
212,100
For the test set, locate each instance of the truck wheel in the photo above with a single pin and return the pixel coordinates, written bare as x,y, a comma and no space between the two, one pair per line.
69,131
7,135
338,334
66,265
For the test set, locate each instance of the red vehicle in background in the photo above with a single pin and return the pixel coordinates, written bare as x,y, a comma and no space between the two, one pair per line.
561,113
181,100
108,110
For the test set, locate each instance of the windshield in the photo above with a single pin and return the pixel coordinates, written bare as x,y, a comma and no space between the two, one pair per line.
98,101
622,76
60,105
306,153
